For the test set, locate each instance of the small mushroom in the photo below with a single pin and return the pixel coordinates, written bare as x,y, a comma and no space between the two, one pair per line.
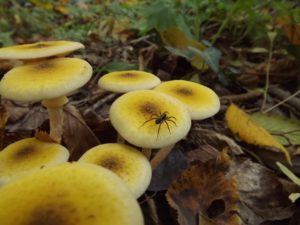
47,81
150,119
69,194
201,101
125,81
125,161
39,50
29,155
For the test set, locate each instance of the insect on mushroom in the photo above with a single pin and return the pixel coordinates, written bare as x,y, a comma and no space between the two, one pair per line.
160,119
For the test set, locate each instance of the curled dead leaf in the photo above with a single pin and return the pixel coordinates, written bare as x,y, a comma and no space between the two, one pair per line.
208,189
241,124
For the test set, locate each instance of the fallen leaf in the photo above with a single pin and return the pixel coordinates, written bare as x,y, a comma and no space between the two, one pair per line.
43,136
77,136
285,130
262,197
168,169
3,120
207,189
241,124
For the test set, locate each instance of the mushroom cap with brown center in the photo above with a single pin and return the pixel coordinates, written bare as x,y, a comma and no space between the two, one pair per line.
39,49
29,155
149,119
45,79
201,101
69,194
127,162
125,81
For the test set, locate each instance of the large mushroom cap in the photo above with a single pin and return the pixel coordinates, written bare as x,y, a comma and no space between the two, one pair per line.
29,155
69,194
127,162
45,79
201,101
39,49
125,81
135,115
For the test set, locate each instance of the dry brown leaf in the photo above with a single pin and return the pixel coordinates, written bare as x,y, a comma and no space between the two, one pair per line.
77,136
206,188
43,136
249,131
262,197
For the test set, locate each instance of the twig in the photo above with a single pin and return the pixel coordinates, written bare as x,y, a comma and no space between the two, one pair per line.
290,99
272,36
242,97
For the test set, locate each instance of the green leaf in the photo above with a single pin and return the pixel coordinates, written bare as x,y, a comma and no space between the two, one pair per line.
288,173
118,66
286,131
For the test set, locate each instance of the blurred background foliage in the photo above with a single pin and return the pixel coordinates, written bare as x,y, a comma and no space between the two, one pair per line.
235,21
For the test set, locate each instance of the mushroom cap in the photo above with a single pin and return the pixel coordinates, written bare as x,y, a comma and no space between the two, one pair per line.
201,101
125,81
39,49
127,162
134,116
69,194
29,155
45,79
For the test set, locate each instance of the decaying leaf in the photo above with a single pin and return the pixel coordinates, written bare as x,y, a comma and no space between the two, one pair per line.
43,136
262,197
77,136
168,169
3,120
285,130
206,189
241,124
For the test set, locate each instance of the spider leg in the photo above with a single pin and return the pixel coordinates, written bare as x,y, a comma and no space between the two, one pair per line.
158,131
171,117
147,121
172,122
167,126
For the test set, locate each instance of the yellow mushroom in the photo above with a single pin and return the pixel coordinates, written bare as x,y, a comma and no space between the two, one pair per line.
150,119
47,81
29,155
125,161
38,50
69,194
125,81
201,101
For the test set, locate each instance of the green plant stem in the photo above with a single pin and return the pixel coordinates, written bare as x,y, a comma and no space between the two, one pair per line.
271,38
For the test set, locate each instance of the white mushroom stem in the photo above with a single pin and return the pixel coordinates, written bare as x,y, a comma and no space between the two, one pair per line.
56,116
147,152
160,156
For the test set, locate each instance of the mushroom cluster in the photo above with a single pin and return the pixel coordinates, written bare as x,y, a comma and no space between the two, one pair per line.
103,185
44,75
157,118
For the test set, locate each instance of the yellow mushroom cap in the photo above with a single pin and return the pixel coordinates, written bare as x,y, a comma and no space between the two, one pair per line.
39,49
133,116
69,194
125,81
29,155
45,79
201,101
127,162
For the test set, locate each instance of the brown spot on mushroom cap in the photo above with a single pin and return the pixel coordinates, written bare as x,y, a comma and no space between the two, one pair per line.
127,75
39,45
44,65
149,108
111,163
24,153
52,214
184,91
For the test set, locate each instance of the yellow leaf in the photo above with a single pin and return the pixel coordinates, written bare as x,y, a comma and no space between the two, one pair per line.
43,4
176,38
241,124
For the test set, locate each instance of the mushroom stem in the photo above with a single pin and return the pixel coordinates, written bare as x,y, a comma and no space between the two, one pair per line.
56,116
160,156
147,152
